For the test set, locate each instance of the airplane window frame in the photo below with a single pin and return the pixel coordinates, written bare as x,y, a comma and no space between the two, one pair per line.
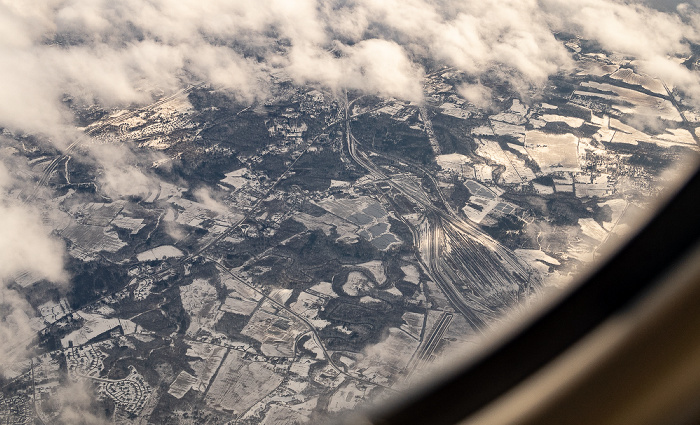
611,287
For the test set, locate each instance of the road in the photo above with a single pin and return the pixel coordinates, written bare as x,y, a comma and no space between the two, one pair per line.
36,408
428,124
688,125
93,129
202,250
312,329
454,252
423,355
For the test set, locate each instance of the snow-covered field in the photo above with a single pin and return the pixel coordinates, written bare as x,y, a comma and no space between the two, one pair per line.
159,253
553,152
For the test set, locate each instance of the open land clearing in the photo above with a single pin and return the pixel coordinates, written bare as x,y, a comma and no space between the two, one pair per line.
159,253
275,329
308,306
553,152
356,284
643,104
592,229
453,162
516,171
200,302
572,122
241,382
537,259
630,77
366,213
241,298
384,362
283,415
207,359
413,324
348,395
411,274
95,325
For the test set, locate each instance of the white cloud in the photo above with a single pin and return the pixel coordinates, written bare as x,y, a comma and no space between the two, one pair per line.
477,94
25,243
25,246
15,329
121,176
208,199
375,66
119,53
76,405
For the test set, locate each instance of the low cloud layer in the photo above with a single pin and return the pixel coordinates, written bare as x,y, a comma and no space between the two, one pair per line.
74,404
25,247
121,53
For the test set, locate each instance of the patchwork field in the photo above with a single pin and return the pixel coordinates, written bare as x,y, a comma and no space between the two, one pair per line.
241,383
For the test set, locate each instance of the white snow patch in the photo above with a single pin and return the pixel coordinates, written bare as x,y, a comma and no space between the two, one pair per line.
369,300
592,229
394,291
412,274
236,178
325,288
159,253
339,184
570,121
453,162
377,270
618,208
543,189
281,295
532,255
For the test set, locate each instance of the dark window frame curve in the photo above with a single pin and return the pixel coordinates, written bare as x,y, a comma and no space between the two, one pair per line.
625,277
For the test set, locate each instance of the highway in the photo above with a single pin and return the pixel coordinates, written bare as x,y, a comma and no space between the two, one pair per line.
312,330
455,253
423,355
201,252
478,275
95,128
423,111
